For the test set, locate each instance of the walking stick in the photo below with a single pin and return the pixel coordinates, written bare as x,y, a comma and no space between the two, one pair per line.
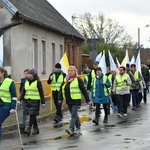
18,127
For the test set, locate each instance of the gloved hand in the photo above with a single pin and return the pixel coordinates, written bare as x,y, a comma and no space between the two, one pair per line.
12,111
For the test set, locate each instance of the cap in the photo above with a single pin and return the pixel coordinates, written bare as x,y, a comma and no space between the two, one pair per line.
96,63
98,69
58,65
32,71
127,65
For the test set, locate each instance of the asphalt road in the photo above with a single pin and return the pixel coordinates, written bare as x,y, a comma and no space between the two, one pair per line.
126,133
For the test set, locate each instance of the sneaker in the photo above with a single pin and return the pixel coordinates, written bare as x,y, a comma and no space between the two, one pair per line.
119,115
69,131
78,131
133,108
105,119
125,115
95,121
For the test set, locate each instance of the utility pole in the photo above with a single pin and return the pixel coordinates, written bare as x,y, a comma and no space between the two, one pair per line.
139,47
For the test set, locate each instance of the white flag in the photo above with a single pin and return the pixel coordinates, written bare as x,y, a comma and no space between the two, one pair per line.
1,51
102,63
132,60
98,57
138,62
118,63
112,63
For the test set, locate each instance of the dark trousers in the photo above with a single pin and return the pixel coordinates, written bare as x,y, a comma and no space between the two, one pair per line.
122,103
135,97
33,122
97,112
57,105
4,113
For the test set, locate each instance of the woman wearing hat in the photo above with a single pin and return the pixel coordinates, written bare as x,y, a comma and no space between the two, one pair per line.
32,94
99,94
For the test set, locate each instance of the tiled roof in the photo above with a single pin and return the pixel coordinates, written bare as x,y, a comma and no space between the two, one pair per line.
43,13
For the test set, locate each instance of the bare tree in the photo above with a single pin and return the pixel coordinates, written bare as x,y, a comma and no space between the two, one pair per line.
100,27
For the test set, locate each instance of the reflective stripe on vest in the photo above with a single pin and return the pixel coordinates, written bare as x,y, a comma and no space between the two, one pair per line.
32,91
75,92
56,85
93,76
4,90
104,78
120,84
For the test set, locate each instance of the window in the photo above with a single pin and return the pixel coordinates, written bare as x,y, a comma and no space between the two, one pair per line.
35,54
43,57
61,51
53,54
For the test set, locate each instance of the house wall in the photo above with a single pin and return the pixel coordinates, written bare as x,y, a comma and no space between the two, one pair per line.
22,49
74,53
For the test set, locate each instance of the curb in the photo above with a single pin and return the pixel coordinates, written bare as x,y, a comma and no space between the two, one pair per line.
39,120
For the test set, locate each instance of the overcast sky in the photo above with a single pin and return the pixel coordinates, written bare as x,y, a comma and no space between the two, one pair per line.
132,14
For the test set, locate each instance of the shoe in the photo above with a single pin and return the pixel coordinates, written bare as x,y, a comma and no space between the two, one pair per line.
125,115
145,102
133,108
96,121
119,115
22,128
69,131
105,119
78,131
28,131
36,131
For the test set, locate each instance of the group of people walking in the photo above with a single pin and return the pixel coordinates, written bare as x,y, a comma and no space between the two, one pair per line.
114,89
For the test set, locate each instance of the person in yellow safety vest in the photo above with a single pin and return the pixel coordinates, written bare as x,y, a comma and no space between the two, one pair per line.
86,78
100,94
32,94
91,77
71,91
56,78
111,78
8,97
122,91
135,86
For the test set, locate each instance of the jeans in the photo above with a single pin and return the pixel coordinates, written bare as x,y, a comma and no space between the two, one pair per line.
4,113
24,116
75,121
123,103
135,97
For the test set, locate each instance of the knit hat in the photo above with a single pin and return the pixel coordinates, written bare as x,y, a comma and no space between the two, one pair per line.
98,69
32,71
58,65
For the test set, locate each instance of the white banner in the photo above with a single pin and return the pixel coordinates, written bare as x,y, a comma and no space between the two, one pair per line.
1,50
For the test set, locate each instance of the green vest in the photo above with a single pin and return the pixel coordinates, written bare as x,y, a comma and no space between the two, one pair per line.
75,91
120,84
4,90
105,89
32,91
56,85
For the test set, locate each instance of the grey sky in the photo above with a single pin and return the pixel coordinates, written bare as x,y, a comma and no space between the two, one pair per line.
132,14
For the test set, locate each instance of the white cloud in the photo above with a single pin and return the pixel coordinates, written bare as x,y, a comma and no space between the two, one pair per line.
132,14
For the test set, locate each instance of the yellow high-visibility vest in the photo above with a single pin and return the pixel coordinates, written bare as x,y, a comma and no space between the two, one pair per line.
120,84
56,84
32,91
4,90
75,91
